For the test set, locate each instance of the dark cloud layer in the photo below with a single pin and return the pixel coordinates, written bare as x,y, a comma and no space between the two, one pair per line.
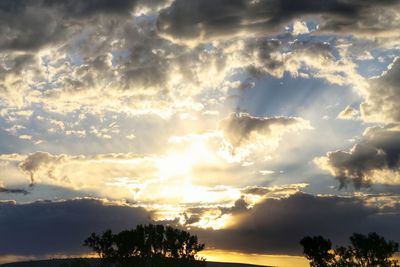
275,226
29,25
47,227
379,150
272,226
206,19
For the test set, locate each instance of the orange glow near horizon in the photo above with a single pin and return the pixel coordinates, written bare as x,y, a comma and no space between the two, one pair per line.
257,259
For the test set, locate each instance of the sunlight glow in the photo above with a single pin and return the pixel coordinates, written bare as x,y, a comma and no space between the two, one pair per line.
175,166
180,163
260,259
177,170
214,220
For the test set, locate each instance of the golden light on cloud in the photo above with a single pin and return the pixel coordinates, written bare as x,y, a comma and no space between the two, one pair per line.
213,220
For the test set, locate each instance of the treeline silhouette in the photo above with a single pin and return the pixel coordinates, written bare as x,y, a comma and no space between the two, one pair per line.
369,250
147,245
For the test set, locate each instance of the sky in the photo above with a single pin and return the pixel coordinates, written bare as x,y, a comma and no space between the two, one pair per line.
251,123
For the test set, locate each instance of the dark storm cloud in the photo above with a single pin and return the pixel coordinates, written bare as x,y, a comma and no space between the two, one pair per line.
275,226
379,150
47,227
205,19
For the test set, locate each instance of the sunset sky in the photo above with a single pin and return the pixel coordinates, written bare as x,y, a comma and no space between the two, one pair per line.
252,123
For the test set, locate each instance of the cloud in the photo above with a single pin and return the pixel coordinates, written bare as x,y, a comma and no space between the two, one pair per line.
42,26
14,191
240,128
69,38
75,8
375,21
111,63
50,22
300,27
221,205
375,159
88,77
97,57
82,172
299,58
273,191
271,226
383,96
275,226
43,228
34,162
349,113
25,137
194,160
236,138
202,21
106,61
28,25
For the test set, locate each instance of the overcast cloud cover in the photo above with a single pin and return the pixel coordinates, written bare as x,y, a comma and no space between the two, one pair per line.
253,122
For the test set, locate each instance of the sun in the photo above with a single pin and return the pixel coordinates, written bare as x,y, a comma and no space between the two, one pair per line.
180,163
178,169
175,165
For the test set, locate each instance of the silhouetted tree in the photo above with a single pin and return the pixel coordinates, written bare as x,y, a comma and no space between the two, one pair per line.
158,240
141,241
343,257
148,243
171,242
372,250
126,243
369,250
102,245
317,250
